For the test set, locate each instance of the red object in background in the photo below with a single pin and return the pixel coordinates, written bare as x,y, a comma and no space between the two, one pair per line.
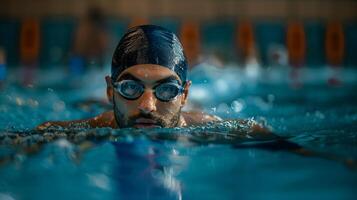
2,67
335,44
296,43
29,48
335,50
245,39
191,41
29,41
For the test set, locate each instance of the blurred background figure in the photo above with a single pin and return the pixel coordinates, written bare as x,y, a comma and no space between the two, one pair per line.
137,21
90,42
277,56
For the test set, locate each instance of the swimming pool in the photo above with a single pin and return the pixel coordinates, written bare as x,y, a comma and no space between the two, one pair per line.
150,164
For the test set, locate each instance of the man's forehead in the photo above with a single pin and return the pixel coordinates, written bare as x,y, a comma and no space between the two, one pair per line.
148,73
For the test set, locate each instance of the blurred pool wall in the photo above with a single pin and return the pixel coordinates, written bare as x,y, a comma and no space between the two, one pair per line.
76,36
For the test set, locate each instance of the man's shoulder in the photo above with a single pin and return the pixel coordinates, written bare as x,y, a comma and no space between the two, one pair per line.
199,117
105,119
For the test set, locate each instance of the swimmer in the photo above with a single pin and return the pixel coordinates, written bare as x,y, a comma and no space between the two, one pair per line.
148,86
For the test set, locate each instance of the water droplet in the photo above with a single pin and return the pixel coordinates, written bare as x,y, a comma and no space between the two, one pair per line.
319,115
237,106
222,108
271,98
59,106
100,180
19,101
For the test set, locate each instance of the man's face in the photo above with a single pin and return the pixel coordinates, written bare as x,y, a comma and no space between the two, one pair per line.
147,111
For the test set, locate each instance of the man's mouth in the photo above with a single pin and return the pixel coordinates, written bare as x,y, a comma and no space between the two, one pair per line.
146,123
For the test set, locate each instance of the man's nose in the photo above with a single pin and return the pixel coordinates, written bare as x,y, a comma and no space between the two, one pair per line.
148,102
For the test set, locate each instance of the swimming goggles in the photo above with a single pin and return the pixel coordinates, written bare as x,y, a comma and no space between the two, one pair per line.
132,90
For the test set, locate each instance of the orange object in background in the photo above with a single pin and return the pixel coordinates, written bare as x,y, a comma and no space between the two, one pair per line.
191,41
138,22
296,43
334,43
245,39
29,41
2,66
2,56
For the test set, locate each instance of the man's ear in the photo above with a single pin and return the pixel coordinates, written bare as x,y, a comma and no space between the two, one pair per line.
185,92
109,88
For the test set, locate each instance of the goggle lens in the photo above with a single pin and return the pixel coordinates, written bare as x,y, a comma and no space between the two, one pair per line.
132,90
167,91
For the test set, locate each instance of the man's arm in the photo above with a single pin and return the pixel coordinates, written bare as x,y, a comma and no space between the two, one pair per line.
105,119
193,118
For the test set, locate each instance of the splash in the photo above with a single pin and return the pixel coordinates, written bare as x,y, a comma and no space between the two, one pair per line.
231,132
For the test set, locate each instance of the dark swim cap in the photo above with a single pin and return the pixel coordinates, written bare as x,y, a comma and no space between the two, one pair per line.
149,44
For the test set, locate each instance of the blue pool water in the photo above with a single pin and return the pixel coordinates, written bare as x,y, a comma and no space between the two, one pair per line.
132,164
